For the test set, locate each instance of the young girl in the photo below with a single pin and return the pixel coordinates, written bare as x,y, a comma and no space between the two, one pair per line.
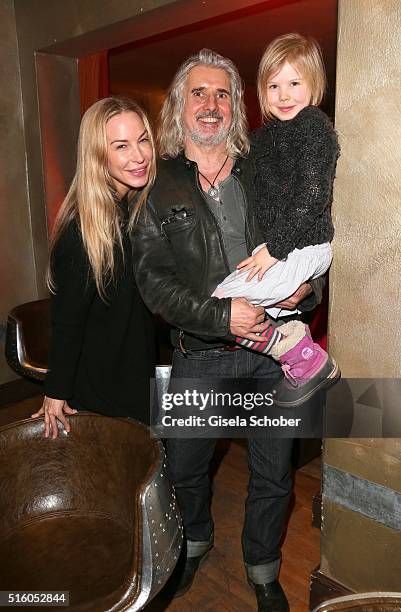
101,351
294,156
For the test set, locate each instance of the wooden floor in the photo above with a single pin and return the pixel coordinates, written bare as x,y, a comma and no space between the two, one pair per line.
220,585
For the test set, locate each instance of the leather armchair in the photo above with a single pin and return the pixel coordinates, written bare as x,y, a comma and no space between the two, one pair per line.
92,512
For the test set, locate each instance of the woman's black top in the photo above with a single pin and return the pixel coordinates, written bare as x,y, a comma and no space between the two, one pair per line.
102,352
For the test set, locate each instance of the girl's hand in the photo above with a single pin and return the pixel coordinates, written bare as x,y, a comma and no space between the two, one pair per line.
53,410
258,263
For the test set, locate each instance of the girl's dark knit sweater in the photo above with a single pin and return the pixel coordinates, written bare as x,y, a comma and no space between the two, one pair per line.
101,354
294,164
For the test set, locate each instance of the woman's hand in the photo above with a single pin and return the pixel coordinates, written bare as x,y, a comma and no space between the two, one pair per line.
53,410
258,263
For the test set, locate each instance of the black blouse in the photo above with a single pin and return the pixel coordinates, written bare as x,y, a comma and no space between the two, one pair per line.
102,352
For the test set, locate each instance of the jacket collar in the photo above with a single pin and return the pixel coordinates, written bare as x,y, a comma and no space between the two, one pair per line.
189,163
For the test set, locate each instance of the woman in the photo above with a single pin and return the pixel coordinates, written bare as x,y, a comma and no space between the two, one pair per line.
102,344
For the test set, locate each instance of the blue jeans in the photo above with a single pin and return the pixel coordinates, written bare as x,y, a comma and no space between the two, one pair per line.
270,483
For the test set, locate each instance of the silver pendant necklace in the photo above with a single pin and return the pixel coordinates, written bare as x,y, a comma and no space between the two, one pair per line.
214,190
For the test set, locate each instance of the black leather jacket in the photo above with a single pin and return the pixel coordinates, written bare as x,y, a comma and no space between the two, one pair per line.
179,256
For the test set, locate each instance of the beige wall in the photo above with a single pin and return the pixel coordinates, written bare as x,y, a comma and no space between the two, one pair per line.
365,307
359,553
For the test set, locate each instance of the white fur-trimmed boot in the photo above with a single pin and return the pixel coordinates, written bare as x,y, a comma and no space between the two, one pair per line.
307,367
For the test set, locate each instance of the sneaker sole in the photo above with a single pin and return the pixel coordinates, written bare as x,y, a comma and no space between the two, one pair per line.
184,590
331,377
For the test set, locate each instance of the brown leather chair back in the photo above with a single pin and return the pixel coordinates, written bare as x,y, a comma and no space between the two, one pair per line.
28,339
74,512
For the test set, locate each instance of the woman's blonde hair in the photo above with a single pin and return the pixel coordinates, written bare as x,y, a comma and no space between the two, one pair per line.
301,51
171,134
91,199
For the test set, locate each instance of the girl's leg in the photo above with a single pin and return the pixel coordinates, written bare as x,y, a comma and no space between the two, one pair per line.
307,367
281,280
268,339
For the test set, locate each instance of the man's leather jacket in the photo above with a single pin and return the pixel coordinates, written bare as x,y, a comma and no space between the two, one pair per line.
179,256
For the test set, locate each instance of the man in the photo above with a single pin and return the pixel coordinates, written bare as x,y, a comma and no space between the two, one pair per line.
198,226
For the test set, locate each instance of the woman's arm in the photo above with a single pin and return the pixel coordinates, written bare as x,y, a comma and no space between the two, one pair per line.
70,305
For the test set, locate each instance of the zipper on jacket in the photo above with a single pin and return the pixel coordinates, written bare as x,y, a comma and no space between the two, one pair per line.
162,224
181,342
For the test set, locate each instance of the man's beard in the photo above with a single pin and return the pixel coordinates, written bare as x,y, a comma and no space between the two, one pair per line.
198,137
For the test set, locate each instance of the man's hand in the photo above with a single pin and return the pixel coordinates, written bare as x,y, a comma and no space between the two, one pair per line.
247,320
258,263
300,294
53,410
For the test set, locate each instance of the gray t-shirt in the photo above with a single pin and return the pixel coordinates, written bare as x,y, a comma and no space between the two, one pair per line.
230,215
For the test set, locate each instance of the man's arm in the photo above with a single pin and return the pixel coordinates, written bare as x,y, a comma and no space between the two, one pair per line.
174,300
247,320
306,297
